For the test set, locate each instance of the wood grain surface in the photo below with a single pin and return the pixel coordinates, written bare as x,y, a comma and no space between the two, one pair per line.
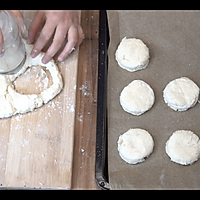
86,104
37,147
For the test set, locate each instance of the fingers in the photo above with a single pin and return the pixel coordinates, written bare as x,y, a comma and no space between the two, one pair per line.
45,35
17,13
1,44
35,25
58,40
22,27
75,37
72,40
63,23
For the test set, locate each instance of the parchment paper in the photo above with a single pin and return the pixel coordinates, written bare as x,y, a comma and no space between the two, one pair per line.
173,38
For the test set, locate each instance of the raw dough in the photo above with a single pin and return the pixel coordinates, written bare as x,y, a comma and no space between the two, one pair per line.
135,145
183,147
13,102
181,94
132,54
137,97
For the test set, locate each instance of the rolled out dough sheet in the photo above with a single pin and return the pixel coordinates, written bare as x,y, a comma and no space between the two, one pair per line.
173,41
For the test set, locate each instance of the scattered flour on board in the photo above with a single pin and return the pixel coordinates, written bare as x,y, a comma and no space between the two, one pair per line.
85,88
80,118
82,150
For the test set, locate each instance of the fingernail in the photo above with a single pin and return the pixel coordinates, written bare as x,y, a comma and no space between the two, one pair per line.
60,58
44,61
28,41
34,53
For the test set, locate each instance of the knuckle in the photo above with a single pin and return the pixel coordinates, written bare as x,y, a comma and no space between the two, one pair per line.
45,35
57,43
74,41
82,36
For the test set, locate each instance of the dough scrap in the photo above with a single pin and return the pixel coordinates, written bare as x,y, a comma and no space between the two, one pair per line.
135,145
13,102
183,147
181,94
132,54
137,97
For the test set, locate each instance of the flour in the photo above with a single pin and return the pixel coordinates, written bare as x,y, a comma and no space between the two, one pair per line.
24,142
85,88
80,118
82,150
42,79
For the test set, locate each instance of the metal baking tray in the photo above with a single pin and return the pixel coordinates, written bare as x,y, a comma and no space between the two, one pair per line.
176,44
101,165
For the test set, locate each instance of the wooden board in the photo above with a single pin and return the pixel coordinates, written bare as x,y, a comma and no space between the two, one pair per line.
37,148
85,128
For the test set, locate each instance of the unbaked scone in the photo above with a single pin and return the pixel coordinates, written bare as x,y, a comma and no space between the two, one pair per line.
135,145
183,147
181,94
132,54
137,97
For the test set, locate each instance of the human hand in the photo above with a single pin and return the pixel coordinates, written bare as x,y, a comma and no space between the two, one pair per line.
63,23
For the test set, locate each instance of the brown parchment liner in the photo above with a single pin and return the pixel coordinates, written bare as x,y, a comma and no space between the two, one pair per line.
173,38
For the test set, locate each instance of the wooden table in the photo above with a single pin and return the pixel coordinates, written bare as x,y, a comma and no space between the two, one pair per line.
83,173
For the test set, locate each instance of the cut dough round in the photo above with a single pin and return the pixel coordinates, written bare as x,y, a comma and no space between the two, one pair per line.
181,94
13,102
183,147
135,145
132,54
137,97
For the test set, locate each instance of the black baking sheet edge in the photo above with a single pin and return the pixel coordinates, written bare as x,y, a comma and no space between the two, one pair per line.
101,164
